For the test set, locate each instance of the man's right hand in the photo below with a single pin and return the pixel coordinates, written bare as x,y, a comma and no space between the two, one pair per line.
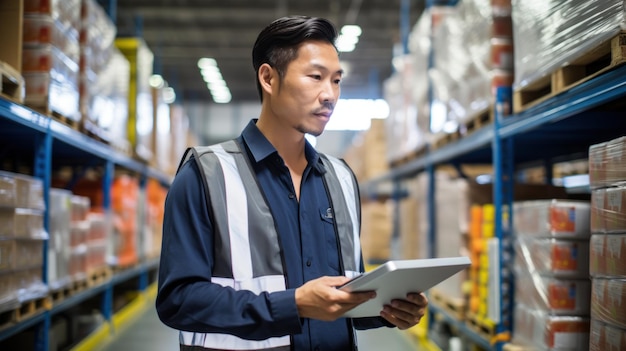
320,299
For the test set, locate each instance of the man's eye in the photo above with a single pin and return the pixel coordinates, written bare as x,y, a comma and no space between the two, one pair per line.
337,81
316,76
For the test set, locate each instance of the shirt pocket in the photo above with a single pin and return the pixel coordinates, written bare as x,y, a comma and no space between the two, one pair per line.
330,240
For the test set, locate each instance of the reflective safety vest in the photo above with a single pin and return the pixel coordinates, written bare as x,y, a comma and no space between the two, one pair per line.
244,228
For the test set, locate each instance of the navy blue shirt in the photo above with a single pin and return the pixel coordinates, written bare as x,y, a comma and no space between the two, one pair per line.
188,301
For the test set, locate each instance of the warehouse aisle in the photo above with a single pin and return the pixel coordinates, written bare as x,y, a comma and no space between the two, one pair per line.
147,333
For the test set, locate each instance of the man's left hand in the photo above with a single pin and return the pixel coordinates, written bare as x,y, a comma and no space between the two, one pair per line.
404,314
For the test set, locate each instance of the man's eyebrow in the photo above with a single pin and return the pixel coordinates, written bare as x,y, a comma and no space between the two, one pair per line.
324,68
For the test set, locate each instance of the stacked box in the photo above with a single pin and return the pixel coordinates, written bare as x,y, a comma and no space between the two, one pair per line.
103,76
22,237
605,337
473,54
97,241
545,39
79,230
552,271
50,56
60,217
607,174
550,331
122,249
376,231
366,155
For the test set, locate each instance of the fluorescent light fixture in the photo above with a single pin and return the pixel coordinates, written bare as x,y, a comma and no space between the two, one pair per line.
349,37
215,82
169,96
156,81
206,62
351,30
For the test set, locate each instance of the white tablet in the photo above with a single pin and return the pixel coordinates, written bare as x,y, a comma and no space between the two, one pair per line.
394,279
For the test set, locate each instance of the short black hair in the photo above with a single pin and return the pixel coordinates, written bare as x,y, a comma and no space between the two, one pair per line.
278,43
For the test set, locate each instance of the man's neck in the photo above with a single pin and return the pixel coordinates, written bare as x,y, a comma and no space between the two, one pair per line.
288,143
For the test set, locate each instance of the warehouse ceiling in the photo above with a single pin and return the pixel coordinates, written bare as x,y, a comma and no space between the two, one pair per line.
180,32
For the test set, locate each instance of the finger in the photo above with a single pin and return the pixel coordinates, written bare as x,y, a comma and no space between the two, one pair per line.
419,299
411,315
391,317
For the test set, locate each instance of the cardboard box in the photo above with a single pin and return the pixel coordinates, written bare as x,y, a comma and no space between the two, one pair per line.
608,301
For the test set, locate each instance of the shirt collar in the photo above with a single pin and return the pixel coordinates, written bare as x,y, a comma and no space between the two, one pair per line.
260,148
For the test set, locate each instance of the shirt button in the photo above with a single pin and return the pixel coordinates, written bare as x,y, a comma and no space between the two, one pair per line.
292,196
308,263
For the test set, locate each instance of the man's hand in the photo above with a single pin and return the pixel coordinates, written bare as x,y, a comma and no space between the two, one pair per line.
319,299
406,313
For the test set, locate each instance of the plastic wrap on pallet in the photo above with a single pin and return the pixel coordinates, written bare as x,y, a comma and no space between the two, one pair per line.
565,219
51,80
21,191
60,201
550,33
22,223
608,301
607,256
557,296
67,12
608,213
43,29
406,93
606,337
607,163
551,257
542,331
460,73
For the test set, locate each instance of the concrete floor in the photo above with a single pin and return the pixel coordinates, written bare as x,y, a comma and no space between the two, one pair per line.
147,333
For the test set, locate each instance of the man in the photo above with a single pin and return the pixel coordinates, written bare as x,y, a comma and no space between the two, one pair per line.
259,231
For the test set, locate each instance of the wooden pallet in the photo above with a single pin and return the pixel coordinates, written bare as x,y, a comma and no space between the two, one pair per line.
410,156
467,127
454,306
99,276
481,327
601,59
11,83
69,290
26,310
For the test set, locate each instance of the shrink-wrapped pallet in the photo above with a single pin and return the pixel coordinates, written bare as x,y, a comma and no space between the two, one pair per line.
550,257
607,163
551,33
461,69
565,219
557,296
60,215
543,331
608,301
605,337
607,256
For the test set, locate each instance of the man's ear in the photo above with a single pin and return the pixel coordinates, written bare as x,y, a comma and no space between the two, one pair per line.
267,77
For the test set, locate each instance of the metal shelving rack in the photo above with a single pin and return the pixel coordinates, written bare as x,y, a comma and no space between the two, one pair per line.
560,128
25,135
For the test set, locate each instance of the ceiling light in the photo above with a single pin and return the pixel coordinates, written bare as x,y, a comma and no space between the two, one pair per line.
169,96
206,62
351,30
156,81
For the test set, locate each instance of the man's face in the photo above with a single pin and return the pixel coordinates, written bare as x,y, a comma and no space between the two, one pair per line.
307,95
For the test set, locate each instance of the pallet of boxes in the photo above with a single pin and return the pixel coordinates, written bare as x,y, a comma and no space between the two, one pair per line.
607,171
23,291
50,58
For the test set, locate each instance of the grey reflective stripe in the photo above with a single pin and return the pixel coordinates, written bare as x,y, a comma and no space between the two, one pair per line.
244,222
263,236
345,202
200,348
231,342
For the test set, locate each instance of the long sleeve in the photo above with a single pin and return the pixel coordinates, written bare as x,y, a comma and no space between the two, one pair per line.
187,300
